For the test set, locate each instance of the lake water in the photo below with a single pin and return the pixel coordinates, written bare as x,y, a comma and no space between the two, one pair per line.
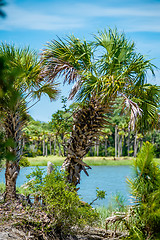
111,179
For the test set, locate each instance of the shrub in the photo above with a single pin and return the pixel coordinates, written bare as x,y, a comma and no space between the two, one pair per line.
24,162
111,151
64,204
145,219
60,201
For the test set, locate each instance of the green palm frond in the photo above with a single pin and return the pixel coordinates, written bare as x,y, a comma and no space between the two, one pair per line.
25,70
46,89
66,59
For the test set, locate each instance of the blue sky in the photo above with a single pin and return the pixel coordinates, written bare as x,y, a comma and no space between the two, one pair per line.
35,22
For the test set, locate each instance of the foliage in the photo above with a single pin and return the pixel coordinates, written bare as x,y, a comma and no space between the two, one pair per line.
116,204
24,162
61,201
100,194
2,188
111,151
64,204
145,219
35,180
22,83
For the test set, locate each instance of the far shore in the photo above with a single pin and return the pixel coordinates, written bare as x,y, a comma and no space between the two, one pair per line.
91,161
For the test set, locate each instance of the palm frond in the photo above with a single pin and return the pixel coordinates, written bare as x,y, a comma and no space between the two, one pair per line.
135,111
46,89
67,58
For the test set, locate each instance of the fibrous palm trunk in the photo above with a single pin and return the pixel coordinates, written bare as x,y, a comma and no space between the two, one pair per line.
88,123
12,171
13,125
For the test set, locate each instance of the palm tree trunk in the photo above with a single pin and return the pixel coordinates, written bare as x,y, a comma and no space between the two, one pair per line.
121,151
86,127
13,126
55,140
116,139
97,147
128,142
38,142
12,171
105,147
50,146
46,150
44,146
119,145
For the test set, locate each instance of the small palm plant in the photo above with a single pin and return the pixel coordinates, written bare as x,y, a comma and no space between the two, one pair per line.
145,220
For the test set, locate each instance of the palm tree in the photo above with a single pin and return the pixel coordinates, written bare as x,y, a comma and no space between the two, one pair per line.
102,70
23,73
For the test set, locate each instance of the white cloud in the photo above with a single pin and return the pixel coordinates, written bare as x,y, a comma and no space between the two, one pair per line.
101,11
78,15
19,18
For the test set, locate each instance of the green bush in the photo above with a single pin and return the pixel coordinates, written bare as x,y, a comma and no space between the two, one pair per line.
61,201
35,180
111,151
64,204
24,162
39,152
145,218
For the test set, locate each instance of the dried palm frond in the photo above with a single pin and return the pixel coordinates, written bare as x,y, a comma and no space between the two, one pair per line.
135,110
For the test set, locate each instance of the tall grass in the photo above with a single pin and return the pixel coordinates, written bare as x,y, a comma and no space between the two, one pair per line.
116,205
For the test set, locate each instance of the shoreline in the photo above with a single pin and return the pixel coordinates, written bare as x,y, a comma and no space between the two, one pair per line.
91,161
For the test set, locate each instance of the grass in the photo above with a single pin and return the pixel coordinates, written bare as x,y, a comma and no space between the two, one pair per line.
92,161
42,161
116,205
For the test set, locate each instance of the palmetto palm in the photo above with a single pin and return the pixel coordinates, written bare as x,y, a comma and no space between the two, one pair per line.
102,70
22,72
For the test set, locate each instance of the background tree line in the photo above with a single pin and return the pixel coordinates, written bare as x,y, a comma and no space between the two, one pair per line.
117,140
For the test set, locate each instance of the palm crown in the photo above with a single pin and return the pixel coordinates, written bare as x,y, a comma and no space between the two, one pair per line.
101,71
